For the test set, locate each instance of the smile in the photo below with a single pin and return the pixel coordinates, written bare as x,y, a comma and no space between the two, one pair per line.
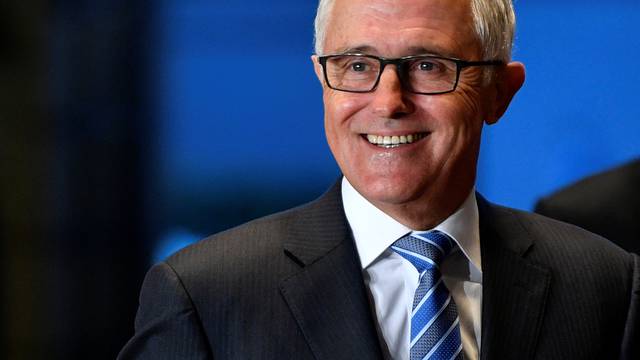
394,141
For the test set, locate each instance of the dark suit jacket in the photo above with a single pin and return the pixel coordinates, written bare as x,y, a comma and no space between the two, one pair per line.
289,286
607,204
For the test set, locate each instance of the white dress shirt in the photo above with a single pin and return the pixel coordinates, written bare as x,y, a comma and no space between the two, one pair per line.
393,280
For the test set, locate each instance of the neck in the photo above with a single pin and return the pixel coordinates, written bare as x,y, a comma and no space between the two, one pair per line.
428,212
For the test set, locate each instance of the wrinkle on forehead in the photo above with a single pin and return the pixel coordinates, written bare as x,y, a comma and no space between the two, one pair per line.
409,23
384,8
436,9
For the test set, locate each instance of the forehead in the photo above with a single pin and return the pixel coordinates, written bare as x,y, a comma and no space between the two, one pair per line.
402,27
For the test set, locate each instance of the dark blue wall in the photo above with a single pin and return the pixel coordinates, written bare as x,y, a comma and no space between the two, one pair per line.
578,111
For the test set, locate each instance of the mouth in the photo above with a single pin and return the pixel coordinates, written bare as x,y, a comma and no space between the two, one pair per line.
389,142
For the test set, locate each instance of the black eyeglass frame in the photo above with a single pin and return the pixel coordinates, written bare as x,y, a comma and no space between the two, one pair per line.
398,62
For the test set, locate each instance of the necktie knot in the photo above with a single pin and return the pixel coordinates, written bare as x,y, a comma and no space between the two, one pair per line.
424,250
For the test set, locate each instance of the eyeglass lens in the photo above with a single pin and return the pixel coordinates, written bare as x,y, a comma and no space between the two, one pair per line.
360,73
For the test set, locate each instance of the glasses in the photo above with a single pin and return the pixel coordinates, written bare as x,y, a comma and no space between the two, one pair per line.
420,74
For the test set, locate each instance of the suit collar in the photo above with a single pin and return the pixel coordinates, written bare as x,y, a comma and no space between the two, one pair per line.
317,228
327,296
504,228
514,290
330,303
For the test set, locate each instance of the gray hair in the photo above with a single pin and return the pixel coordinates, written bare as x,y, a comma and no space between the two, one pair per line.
494,25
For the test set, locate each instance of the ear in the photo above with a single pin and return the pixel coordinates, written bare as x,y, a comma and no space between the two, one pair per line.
318,69
507,83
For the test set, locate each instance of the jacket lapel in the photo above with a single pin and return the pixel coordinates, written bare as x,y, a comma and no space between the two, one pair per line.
514,289
327,297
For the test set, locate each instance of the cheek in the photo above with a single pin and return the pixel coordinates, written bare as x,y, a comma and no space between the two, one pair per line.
340,106
471,102
464,111
457,124
340,111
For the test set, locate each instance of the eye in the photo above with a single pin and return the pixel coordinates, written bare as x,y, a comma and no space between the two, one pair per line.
359,66
426,66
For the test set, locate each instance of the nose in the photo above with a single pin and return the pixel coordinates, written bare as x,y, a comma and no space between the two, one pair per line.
390,100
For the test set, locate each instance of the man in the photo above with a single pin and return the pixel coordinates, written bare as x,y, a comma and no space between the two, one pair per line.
400,259
607,204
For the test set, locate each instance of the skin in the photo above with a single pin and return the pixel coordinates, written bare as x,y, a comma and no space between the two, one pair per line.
423,183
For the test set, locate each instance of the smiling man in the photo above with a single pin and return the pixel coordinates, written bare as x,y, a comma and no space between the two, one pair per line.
422,181
401,259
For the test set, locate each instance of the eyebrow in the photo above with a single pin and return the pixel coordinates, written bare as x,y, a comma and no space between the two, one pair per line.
433,50
413,50
364,49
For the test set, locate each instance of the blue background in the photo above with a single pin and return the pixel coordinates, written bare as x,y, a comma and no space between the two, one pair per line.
239,109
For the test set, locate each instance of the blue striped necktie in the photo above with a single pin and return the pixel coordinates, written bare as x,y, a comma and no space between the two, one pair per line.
435,329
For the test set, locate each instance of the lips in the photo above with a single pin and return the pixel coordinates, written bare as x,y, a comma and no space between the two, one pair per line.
387,141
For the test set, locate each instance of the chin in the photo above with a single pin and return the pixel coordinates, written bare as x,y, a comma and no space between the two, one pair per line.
388,191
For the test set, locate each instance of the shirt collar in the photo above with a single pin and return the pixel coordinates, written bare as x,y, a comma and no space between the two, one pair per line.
372,240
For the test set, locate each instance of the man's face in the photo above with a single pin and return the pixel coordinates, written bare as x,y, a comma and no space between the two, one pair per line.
443,160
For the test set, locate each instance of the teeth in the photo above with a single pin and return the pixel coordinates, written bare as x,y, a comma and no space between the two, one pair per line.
393,141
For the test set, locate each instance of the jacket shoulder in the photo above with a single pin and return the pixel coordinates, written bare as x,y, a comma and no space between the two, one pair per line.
259,238
258,246
565,245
